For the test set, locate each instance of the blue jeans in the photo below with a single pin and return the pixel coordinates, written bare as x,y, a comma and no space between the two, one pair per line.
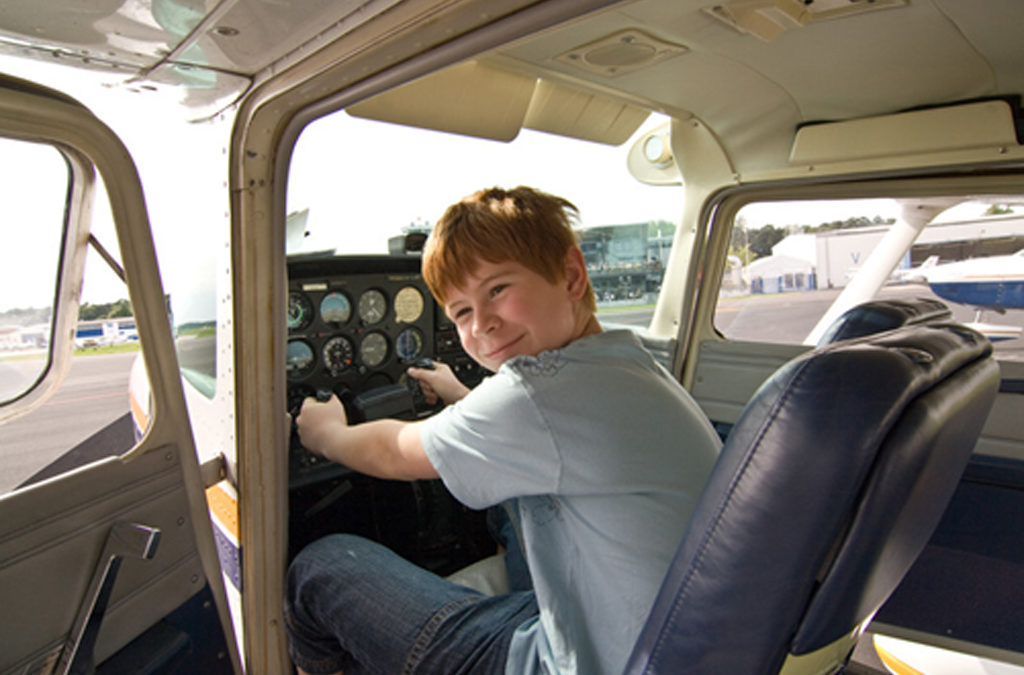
353,605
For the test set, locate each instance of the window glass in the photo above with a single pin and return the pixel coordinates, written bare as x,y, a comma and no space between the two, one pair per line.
789,261
33,189
355,184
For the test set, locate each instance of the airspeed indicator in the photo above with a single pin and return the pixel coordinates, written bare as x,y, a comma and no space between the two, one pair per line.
300,311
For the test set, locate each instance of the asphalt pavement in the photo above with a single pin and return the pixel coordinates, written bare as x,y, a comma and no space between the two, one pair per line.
94,395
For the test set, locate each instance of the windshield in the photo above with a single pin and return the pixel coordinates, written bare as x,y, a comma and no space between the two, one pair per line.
355,183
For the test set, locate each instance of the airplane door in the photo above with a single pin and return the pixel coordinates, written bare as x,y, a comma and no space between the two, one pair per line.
107,558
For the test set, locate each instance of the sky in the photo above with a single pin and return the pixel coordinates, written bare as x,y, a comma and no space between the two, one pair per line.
32,186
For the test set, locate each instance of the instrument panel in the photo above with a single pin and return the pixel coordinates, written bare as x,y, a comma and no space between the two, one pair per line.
355,324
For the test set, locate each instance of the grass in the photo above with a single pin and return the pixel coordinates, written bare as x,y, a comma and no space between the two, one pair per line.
122,348
624,308
39,355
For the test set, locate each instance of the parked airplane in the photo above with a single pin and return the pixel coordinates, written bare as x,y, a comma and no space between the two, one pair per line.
994,283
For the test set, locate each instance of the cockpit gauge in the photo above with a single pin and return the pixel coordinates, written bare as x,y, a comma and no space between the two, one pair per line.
408,304
335,308
300,311
299,359
338,355
372,306
409,344
373,349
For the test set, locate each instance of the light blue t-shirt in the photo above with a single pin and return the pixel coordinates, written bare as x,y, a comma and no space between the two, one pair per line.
607,455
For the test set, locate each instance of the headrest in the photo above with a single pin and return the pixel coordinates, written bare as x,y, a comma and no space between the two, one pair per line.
878,316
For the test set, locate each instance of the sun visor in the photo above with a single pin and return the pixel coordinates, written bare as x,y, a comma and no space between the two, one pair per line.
470,98
477,99
560,110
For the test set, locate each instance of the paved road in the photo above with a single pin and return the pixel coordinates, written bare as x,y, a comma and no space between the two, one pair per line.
94,395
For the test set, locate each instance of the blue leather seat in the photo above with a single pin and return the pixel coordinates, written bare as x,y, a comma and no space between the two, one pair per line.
876,316
827,489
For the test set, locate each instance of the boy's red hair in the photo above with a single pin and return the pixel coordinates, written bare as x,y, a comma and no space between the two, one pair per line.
521,225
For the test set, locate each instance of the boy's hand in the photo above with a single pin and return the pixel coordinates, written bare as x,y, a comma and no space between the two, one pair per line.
318,422
385,448
439,383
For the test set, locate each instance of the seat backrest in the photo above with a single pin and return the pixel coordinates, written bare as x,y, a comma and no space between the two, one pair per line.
877,316
825,492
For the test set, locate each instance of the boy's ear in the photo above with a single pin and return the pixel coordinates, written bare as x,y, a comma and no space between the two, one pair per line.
575,273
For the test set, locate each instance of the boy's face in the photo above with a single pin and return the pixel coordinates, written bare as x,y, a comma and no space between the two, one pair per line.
505,309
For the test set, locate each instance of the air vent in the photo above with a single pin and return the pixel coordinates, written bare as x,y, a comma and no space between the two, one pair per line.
623,52
767,19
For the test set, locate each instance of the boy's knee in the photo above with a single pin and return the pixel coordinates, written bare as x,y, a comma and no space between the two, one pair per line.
335,547
325,563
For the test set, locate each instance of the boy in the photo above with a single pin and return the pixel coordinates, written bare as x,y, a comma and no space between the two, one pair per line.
605,452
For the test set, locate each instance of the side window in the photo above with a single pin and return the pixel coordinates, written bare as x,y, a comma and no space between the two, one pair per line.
789,261
88,416
34,185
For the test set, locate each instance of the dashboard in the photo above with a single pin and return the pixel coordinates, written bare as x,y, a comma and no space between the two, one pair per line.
355,324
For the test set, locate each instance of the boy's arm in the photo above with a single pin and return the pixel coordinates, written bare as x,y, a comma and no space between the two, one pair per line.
383,448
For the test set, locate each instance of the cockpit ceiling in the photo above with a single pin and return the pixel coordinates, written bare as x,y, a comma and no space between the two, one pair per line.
752,70
744,86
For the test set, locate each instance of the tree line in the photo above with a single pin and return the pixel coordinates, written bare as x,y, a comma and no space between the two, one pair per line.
751,244
108,310
28,316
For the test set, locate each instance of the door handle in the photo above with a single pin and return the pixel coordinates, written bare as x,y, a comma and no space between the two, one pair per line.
123,540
